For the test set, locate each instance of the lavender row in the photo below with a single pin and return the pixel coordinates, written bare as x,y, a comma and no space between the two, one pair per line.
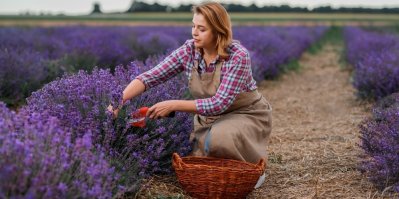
31,57
380,143
375,60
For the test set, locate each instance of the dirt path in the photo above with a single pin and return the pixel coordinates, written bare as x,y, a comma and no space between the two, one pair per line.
313,148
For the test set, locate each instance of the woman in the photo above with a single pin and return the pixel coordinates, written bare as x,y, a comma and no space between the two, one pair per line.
232,120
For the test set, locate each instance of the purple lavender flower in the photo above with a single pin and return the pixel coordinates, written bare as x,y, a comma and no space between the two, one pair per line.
40,160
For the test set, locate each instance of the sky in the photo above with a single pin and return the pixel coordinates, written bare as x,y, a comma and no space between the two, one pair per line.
76,7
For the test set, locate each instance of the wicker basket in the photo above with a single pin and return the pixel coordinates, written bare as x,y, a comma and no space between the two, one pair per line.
206,177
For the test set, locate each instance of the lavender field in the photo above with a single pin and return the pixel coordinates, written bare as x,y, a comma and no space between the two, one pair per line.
56,83
69,75
58,141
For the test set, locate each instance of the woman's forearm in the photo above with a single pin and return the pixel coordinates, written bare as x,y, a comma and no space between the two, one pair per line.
135,88
165,108
185,106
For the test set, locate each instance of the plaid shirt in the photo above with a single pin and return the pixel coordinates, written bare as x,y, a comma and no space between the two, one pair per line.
236,75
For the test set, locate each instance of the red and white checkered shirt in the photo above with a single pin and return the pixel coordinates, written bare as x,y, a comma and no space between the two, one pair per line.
236,75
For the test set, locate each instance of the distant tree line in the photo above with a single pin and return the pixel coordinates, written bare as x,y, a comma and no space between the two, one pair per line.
139,6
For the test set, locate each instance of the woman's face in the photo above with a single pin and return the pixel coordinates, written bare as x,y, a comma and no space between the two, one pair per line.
202,33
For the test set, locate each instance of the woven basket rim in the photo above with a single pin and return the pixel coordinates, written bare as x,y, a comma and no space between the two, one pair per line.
179,163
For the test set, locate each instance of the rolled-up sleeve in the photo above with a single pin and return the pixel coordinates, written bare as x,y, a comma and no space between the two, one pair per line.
238,71
168,68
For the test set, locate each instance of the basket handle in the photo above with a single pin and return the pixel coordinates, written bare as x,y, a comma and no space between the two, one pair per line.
261,164
177,161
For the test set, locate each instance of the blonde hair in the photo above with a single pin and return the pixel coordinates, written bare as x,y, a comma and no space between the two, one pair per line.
219,20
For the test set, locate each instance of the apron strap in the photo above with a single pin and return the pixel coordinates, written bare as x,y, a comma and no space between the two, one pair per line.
218,68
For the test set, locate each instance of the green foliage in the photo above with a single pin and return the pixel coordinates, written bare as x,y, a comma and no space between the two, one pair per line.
78,62
292,65
396,28
139,6
71,63
332,36
275,158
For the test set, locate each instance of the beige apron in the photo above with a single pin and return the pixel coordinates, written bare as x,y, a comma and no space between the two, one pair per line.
240,133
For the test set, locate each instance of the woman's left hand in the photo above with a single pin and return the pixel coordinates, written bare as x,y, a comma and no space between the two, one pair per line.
161,109
113,111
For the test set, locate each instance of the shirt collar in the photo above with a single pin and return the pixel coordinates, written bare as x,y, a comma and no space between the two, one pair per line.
198,56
